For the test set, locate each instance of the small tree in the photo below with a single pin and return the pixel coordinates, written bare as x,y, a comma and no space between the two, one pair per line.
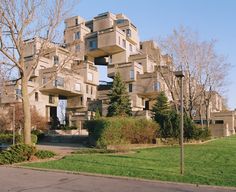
161,111
119,104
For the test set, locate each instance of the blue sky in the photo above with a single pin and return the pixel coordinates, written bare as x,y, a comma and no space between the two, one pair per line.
212,19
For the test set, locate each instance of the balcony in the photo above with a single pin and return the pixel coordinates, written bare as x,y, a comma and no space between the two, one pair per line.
65,86
110,40
76,102
105,42
91,44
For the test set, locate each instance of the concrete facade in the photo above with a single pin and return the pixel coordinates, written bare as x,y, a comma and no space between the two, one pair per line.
223,123
69,72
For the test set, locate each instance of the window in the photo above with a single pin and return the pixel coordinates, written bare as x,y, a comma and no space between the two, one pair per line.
128,33
110,59
219,121
130,88
87,89
81,100
131,74
77,87
44,80
42,67
77,48
76,21
156,86
77,35
92,44
90,76
141,46
51,99
18,94
36,96
91,90
120,21
130,48
59,81
124,43
56,60
119,40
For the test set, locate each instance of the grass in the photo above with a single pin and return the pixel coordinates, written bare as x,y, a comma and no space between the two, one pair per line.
213,163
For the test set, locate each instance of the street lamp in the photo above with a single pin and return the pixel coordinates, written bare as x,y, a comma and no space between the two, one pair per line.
180,75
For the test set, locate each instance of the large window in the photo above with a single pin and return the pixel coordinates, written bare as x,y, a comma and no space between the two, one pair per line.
131,74
156,86
130,48
76,21
44,80
128,33
51,99
77,48
87,89
130,88
77,35
59,81
120,21
18,94
36,96
78,87
92,44
124,43
90,76
56,60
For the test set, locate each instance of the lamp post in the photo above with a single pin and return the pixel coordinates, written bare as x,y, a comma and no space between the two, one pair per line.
180,75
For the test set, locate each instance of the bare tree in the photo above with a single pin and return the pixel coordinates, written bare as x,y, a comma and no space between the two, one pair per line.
22,20
205,71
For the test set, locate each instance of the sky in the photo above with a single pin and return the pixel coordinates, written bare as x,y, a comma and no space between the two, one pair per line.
212,19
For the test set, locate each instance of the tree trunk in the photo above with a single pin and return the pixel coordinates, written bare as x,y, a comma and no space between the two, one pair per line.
26,110
207,116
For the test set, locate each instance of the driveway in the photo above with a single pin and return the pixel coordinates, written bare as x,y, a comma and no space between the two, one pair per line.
26,180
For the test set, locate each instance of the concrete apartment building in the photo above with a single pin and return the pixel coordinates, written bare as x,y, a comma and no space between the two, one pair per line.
110,40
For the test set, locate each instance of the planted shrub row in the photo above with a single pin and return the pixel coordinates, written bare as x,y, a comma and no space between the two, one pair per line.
21,152
7,138
44,154
121,130
17,153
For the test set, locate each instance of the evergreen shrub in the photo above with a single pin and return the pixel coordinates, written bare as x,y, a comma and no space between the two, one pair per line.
121,130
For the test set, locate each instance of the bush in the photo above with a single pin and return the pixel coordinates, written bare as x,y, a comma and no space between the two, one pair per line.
121,130
44,154
17,153
8,138
20,139
201,133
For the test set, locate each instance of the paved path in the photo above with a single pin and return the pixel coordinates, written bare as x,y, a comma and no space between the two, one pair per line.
60,149
26,180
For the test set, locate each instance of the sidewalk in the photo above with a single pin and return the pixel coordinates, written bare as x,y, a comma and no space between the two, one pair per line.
59,148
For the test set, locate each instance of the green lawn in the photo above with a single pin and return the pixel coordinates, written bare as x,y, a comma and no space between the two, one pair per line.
213,163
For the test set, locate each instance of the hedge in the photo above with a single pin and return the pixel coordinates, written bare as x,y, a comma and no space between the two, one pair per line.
44,154
121,130
7,138
17,153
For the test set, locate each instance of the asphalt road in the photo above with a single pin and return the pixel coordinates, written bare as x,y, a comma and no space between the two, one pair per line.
26,180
